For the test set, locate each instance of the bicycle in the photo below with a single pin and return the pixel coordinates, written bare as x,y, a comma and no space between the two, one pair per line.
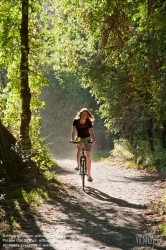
83,169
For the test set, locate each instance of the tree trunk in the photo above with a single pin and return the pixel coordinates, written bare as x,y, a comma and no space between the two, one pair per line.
7,141
152,42
152,68
151,7
25,90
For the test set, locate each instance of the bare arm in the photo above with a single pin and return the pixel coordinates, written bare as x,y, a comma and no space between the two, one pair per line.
73,132
92,134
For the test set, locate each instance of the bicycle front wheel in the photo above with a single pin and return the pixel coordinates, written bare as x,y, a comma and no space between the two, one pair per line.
83,167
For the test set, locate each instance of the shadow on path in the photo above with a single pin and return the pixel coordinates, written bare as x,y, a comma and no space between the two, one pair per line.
21,230
97,194
102,223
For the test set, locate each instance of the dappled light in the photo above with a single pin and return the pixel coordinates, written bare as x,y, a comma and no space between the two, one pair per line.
91,73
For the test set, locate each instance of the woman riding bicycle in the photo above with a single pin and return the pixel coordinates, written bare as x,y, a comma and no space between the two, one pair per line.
83,127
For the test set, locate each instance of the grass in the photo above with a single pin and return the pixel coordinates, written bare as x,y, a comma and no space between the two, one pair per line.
22,197
102,155
121,149
162,227
158,209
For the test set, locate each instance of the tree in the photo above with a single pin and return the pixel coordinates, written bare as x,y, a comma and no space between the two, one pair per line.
21,114
119,54
25,90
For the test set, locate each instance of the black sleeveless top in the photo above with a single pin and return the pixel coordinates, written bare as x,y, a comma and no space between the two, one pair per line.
82,129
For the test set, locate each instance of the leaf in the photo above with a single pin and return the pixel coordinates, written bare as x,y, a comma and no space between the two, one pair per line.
47,212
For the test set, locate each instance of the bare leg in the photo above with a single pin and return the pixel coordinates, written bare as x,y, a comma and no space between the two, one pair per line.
88,163
79,151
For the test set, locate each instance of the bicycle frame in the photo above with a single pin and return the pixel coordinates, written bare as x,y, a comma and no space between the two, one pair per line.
83,169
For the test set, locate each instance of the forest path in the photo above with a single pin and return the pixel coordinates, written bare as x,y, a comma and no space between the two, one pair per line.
109,215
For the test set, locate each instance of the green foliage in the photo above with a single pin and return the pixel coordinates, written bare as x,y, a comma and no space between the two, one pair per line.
10,60
34,197
122,148
158,157
139,154
41,158
102,155
64,98
122,61
162,229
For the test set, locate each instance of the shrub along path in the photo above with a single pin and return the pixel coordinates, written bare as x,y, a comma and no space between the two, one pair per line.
112,213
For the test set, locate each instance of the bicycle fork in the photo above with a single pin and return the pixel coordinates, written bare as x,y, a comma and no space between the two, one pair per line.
83,164
83,169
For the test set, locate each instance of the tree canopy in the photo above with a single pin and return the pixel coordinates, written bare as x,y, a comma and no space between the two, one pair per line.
115,49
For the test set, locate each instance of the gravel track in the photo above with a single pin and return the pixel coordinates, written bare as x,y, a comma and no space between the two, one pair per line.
109,215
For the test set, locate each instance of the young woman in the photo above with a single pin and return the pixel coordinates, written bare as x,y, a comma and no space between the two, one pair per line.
83,128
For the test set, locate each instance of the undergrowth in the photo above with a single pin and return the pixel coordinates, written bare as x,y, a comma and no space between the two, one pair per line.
141,156
23,195
162,227
102,155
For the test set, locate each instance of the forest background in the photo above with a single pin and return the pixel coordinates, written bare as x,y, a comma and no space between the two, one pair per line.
57,57
108,56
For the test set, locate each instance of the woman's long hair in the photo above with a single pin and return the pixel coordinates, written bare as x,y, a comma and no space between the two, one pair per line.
90,116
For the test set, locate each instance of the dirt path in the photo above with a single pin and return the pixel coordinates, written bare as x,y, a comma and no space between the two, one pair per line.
108,215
